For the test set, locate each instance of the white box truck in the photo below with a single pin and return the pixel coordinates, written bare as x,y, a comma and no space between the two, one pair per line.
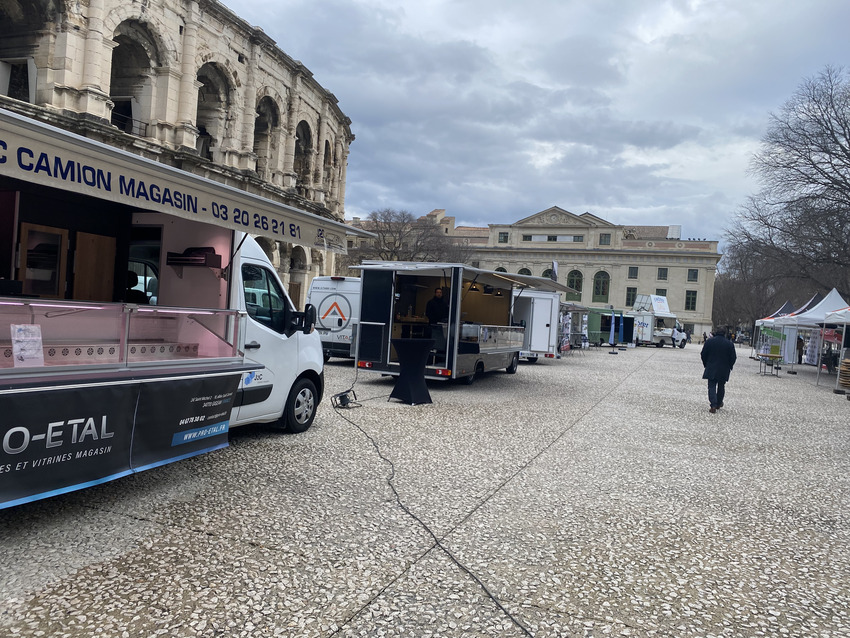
538,312
655,324
100,379
337,303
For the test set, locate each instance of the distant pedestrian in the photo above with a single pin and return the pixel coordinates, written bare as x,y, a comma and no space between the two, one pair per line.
704,338
800,345
718,359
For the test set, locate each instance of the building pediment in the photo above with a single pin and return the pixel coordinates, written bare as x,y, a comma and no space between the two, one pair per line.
556,216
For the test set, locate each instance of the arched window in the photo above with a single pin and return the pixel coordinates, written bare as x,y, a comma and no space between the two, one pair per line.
131,77
500,269
303,151
524,271
547,273
213,107
601,284
266,126
574,280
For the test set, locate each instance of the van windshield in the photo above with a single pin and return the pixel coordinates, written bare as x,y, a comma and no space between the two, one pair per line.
264,299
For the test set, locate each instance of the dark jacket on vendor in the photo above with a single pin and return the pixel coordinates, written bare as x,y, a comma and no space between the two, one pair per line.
437,310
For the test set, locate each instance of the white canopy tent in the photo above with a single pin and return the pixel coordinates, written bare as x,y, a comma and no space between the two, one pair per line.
810,319
814,316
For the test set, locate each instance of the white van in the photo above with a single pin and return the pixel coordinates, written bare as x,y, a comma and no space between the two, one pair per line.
337,303
290,385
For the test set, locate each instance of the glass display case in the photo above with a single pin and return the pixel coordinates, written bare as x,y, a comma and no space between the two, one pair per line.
45,334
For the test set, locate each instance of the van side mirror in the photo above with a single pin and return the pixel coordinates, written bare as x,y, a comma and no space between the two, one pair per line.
310,315
301,321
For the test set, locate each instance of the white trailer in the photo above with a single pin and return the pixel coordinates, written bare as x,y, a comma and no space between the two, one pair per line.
655,324
477,336
538,311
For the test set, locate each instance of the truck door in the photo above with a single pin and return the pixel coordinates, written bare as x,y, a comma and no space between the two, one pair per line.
541,326
265,392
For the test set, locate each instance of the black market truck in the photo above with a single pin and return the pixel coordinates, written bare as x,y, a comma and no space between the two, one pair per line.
138,320
478,335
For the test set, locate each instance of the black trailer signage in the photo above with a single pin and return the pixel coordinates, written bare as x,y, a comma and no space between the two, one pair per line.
69,438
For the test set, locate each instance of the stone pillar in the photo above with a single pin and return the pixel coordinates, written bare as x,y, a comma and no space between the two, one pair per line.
292,112
94,46
187,101
249,110
93,99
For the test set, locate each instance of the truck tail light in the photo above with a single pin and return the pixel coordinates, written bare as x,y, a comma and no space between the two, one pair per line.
364,364
442,372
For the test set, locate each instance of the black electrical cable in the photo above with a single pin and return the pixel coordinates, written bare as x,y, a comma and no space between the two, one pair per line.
437,541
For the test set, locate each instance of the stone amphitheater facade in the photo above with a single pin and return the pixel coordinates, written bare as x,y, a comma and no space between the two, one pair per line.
190,84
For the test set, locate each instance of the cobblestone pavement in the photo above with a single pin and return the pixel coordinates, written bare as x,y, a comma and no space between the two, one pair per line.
591,496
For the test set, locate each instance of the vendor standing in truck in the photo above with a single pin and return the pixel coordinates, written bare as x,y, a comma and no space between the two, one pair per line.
437,311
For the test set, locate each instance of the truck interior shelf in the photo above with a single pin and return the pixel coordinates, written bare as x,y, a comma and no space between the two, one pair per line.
195,256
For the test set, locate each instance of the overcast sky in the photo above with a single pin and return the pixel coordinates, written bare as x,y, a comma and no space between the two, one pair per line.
642,112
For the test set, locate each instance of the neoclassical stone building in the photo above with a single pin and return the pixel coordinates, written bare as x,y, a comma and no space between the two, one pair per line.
610,264
190,84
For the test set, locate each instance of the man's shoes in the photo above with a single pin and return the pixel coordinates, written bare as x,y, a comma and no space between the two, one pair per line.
719,405
712,409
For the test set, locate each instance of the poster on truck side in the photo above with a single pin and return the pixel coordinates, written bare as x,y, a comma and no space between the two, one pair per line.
60,440
56,441
178,418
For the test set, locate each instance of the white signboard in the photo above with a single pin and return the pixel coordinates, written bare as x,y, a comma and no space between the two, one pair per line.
27,347
39,154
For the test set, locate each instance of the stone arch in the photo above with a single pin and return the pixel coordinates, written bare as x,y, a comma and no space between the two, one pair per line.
547,273
266,135
214,106
524,271
501,269
132,80
328,165
303,157
157,32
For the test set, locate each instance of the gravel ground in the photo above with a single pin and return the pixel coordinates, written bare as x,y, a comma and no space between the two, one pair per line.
591,496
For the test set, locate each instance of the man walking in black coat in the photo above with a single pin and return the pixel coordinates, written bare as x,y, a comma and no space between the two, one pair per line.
718,358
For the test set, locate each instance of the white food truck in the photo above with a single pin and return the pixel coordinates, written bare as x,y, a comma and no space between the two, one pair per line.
100,376
539,312
655,324
337,303
477,334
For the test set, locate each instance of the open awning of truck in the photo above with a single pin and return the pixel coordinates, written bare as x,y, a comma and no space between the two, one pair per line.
37,153
486,277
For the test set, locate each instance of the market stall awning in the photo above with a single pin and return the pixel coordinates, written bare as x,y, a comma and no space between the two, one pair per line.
37,153
814,315
489,277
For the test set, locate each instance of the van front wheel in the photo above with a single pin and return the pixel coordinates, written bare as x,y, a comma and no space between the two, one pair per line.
300,407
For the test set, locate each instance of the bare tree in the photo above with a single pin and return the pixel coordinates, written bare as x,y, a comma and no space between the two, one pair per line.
403,237
798,226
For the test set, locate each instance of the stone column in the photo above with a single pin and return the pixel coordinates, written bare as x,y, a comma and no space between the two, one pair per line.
93,99
94,46
187,101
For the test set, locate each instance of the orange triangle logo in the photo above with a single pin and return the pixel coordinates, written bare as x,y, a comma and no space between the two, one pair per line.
338,310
